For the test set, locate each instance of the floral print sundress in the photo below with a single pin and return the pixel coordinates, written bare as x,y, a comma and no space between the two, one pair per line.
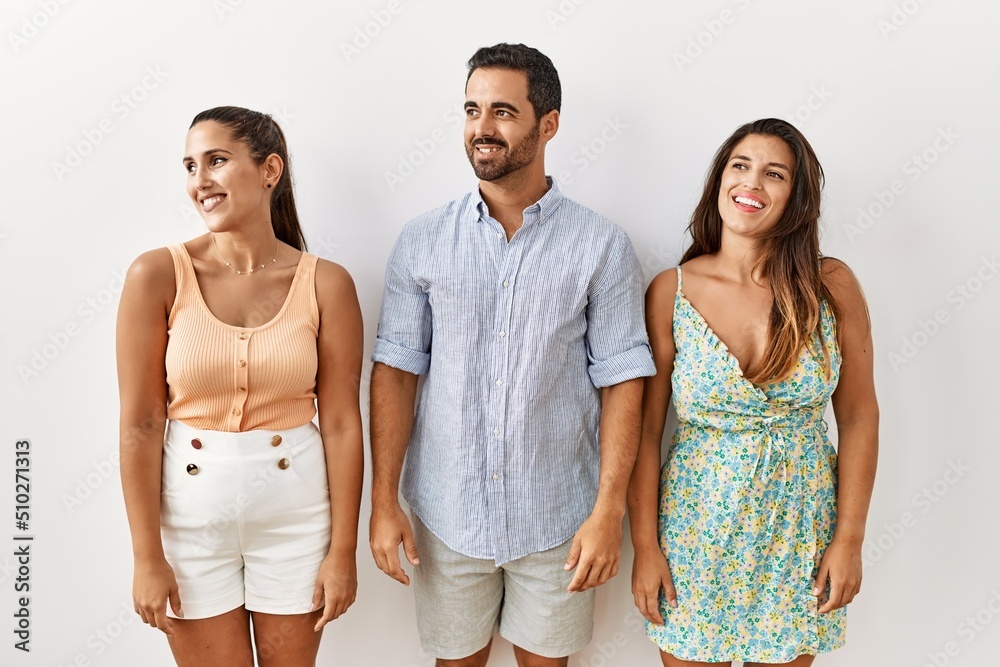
747,502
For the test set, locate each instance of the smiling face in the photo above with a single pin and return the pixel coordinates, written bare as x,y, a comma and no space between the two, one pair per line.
226,185
756,185
502,135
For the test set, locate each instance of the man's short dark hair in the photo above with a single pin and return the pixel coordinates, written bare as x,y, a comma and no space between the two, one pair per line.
544,91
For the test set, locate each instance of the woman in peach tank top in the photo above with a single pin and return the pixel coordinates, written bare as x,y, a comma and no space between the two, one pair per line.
243,513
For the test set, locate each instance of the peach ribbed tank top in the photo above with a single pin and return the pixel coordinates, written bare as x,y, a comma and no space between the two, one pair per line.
229,378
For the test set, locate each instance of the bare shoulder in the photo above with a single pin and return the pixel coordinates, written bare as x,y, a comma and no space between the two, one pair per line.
152,272
664,284
332,276
660,296
334,285
703,265
842,283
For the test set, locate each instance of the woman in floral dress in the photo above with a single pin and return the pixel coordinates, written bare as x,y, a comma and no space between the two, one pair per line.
752,548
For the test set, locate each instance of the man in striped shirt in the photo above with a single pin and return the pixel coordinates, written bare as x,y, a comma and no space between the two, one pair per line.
524,310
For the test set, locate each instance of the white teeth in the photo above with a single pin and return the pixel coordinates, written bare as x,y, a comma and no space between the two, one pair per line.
211,201
746,201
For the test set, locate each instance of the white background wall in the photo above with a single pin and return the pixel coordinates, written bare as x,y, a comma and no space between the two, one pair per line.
898,97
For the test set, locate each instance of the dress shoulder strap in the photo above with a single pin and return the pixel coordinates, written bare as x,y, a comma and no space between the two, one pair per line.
304,296
680,280
183,277
176,252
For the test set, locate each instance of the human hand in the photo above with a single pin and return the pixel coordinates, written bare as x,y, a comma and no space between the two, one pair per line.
387,529
595,552
336,586
841,568
153,585
651,574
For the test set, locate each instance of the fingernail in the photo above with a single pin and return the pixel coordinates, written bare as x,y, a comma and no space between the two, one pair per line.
815,591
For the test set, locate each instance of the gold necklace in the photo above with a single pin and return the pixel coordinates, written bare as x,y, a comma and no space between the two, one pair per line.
244,273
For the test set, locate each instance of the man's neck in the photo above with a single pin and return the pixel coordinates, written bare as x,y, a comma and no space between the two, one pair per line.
508,197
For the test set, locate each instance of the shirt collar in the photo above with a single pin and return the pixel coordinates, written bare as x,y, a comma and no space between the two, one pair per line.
537,212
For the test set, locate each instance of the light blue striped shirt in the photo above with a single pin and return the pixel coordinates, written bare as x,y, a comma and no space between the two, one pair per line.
516,339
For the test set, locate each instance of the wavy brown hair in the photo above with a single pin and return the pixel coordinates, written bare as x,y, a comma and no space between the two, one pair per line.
263,136
790,257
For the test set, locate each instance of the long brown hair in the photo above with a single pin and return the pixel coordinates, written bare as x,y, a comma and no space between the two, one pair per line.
790,257
263,136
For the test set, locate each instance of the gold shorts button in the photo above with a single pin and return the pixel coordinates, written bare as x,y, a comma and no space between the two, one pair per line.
193,469
275,440
284,463
196,443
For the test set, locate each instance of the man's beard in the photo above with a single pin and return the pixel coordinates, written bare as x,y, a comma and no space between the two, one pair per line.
521,156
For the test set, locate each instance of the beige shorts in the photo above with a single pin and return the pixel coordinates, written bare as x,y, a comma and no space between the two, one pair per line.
462,601
245,518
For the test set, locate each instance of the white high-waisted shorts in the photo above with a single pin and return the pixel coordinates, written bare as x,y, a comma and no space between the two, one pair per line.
245,518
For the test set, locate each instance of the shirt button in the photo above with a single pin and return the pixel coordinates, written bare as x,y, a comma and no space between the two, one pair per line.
243,336
502,334
241,363
499,382
506,283
499,235
236,411
496,476
496,431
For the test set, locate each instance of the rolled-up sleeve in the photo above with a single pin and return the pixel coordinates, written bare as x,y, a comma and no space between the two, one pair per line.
617,343
404,326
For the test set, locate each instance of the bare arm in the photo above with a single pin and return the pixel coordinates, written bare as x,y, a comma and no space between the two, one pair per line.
650,572
340,351
856,409
596,548
141,342
393,392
